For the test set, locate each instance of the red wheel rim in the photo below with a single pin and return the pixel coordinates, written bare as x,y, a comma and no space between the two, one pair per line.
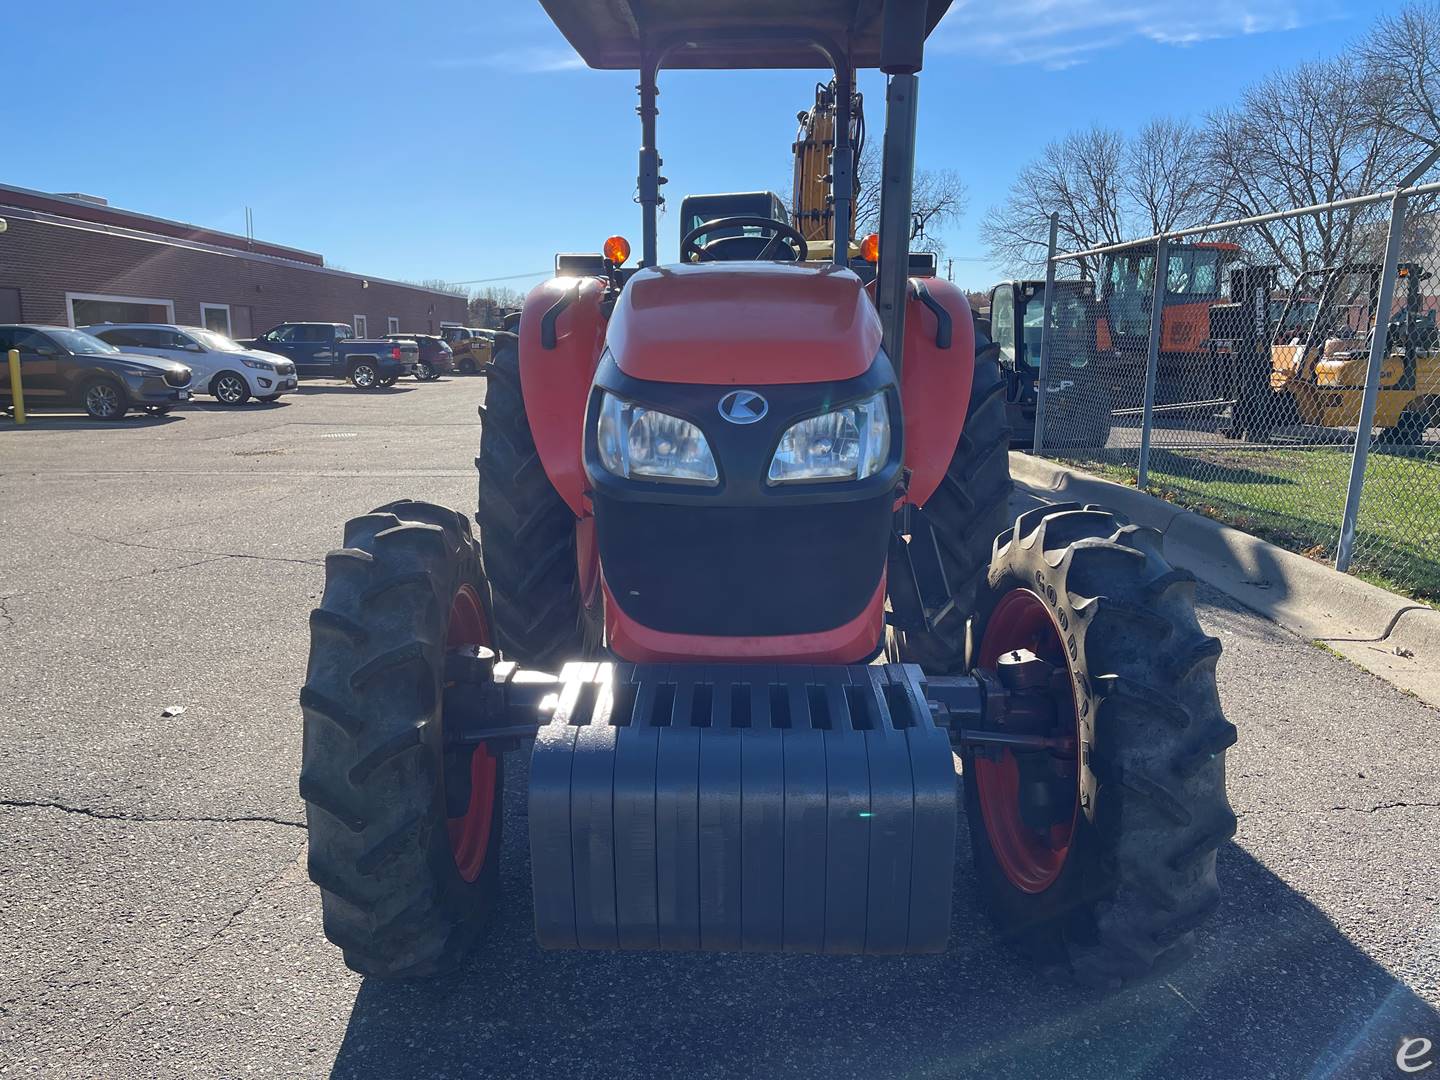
470,833
1028,859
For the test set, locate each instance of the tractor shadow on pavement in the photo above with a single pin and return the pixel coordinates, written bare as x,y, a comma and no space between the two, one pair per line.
1275,990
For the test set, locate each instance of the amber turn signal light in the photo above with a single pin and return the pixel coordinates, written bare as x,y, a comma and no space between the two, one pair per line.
870,248
617,250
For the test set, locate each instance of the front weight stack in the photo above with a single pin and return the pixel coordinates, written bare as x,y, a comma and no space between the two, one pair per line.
803,809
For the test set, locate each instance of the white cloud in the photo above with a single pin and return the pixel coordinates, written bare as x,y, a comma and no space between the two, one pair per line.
532,60
1057,34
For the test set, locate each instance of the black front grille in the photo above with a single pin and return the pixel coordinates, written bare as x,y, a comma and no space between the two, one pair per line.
743,570
177,376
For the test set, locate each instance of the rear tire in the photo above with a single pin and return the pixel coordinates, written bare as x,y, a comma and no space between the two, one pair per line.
466,365
1149,804
967,511
105,399
527,535
376,773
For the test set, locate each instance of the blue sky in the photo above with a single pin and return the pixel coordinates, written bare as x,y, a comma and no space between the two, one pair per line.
436,139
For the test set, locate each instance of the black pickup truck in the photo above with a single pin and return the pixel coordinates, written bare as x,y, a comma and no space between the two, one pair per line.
331,350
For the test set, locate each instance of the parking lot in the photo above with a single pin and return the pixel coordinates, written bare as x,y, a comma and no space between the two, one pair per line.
156,918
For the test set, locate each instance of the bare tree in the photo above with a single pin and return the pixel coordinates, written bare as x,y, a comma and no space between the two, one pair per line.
1079,178
1401,66
487,306
1309,135
437,285
1166,177
867,194
938,198
1303,137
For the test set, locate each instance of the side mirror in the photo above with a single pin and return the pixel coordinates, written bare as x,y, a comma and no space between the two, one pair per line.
192,347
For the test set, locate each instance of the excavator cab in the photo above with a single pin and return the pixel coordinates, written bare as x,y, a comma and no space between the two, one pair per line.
746,226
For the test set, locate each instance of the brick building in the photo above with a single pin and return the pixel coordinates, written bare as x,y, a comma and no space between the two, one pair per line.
73,260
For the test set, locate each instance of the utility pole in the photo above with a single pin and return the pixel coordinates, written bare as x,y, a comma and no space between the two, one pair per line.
949,269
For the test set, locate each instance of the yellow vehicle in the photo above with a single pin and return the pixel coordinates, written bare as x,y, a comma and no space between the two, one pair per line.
812,202
1321,372
472,347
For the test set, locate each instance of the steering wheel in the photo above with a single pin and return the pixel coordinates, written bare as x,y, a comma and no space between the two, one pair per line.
688,247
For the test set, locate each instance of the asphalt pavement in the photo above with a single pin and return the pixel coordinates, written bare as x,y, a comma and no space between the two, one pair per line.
156,920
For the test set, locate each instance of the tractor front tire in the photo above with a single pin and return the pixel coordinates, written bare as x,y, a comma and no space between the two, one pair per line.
527,534
404,832
967,511
1109,878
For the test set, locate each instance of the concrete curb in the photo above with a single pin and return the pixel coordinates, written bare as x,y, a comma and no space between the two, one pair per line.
1391,636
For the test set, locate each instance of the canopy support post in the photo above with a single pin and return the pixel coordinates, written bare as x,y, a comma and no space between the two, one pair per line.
842,163
648,182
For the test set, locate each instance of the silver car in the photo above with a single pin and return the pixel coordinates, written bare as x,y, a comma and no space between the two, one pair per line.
224,369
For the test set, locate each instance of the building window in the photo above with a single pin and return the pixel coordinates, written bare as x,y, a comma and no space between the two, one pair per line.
392,325
86,309
362,328
216,317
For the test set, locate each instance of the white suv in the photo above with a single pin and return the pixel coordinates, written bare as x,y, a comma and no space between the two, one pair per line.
227,371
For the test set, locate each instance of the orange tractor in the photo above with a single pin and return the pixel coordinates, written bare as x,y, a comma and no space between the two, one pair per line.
1193,280
744,585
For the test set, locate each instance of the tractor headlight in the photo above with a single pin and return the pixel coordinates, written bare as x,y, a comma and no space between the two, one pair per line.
846,444
636,442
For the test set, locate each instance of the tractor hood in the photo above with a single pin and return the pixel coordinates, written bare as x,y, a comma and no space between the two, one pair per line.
748,322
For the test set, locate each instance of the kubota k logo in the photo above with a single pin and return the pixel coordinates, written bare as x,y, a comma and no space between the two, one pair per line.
743,406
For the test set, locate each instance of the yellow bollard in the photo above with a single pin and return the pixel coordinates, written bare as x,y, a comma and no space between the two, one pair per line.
17,392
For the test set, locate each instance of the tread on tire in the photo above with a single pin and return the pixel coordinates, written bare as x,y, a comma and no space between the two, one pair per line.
374,762
527,534
1139,876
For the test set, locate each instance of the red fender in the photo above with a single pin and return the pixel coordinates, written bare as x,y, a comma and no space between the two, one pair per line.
934,384
556,382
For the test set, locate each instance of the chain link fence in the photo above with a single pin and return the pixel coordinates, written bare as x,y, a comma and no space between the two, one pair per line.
1281,374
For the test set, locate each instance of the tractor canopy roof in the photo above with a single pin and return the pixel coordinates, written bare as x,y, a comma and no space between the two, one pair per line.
725,33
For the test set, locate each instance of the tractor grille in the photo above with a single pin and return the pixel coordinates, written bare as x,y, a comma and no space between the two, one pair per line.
743,570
